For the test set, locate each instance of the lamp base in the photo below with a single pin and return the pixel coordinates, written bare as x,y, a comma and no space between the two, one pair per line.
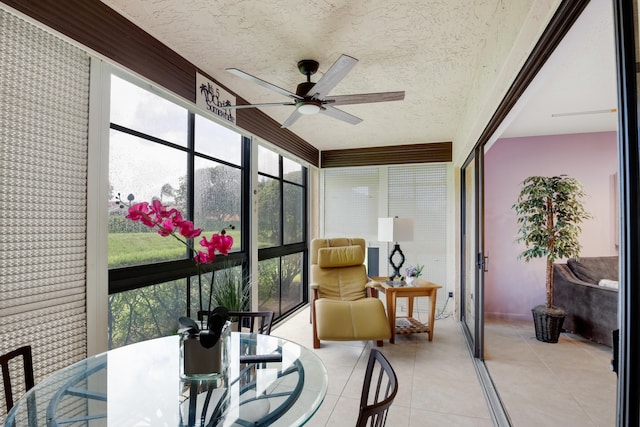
396,267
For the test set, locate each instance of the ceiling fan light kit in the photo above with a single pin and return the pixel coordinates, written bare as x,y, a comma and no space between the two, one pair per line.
308,108
312,98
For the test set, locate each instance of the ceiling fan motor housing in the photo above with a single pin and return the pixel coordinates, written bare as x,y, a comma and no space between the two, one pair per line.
304,88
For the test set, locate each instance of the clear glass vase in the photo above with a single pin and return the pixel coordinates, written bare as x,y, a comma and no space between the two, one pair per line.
199,362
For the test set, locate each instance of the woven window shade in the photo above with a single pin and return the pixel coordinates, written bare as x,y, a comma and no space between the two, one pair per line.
44,94
420,192
351,202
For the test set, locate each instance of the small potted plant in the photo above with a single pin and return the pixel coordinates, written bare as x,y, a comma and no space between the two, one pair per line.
412,273
549,211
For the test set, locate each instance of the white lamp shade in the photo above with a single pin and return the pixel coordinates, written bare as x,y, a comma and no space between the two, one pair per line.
395,229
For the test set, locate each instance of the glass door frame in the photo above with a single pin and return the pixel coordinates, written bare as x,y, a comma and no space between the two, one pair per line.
475,337
626,21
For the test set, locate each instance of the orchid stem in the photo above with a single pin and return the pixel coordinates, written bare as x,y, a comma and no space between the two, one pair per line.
213,278
200,296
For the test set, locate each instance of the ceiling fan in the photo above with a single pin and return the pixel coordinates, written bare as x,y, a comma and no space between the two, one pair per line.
311,98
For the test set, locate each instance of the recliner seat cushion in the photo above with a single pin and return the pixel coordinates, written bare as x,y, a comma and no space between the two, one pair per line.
364,319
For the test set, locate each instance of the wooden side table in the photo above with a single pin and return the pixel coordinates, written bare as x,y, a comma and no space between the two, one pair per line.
409,325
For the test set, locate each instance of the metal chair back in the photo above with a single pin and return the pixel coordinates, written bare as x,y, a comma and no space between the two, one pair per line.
27,362
378,391
258,322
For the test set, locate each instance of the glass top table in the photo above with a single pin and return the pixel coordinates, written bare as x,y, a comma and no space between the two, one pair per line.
140,385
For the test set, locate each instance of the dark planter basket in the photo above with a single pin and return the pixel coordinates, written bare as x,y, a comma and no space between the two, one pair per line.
548,323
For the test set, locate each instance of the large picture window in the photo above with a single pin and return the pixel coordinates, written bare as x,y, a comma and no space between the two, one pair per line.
282,218
160,150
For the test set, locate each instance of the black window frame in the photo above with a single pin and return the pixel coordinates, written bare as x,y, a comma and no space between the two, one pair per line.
282,250
135,277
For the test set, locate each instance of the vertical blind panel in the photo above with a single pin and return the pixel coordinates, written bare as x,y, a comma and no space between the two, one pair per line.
420,192
44,111
351,202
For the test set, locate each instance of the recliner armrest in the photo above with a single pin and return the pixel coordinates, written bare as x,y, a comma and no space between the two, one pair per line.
314,288
373,284
372,288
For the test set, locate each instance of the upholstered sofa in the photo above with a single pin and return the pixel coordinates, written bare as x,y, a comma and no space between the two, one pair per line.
586,289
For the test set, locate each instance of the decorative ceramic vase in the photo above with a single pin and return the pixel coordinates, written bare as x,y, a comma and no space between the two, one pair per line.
199,362
410,280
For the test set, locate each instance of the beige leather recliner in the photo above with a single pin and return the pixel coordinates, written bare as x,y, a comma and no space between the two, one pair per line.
344,304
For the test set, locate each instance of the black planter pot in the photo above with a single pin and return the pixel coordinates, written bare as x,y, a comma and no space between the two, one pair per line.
548,322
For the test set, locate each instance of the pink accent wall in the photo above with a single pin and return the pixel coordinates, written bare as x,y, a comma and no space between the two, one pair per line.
513,286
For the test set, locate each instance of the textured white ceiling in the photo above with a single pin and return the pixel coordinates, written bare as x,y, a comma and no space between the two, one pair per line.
428,48
575,92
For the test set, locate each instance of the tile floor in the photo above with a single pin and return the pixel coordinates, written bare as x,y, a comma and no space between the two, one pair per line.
567,384
438,385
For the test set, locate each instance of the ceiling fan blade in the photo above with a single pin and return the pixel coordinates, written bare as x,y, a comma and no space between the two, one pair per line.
291,119
365,98
241,106
332,77
262,83
340,115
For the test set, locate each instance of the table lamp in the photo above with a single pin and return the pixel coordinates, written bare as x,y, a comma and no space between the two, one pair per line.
395,230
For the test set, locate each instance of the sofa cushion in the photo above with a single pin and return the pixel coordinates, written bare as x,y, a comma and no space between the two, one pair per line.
608,283
594,269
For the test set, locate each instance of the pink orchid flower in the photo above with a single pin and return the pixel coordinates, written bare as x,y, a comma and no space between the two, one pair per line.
140,212
170,221
226,243
186,229
204,257
161,210
209,244
166,228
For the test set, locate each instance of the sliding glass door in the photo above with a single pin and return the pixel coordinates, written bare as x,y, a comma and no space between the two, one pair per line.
628,44
471,306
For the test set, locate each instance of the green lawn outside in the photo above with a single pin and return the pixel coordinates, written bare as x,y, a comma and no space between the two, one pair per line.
127,249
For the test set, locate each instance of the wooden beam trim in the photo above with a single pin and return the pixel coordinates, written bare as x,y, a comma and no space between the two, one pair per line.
388,155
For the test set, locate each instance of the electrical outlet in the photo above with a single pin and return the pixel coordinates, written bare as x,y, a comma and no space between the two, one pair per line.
450,294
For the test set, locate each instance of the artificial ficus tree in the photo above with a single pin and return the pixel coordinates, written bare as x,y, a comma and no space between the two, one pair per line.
550,211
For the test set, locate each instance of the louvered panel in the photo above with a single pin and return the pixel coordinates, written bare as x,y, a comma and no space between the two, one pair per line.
420,192
44,93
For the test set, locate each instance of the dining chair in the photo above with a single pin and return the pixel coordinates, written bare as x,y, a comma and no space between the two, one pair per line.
27,363
375,403
258,322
